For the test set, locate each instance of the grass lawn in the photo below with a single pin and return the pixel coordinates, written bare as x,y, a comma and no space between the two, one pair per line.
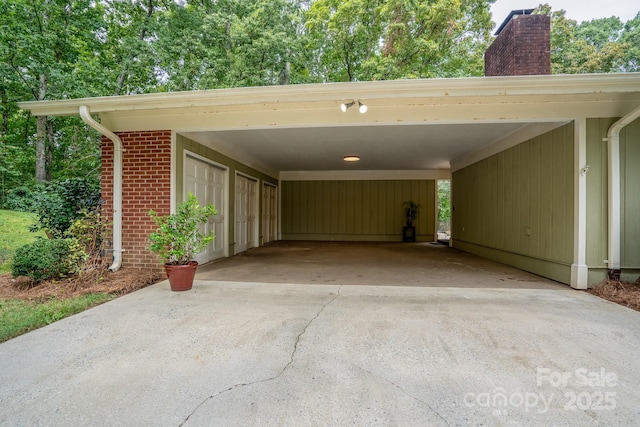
15,233
19,316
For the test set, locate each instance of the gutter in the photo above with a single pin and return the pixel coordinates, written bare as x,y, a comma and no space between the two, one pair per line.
85,114
613,227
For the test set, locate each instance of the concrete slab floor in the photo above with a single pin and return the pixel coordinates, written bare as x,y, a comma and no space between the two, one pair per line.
370,263
239,354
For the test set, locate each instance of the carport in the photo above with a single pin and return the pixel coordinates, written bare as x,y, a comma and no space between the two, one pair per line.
525,155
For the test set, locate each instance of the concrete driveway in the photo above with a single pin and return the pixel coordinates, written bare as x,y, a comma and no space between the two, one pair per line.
242,353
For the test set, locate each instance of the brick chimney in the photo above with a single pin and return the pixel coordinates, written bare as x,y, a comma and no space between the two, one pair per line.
522,46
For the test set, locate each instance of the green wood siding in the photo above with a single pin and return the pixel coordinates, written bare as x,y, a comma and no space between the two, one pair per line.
630,196
355,210
517,206
597,216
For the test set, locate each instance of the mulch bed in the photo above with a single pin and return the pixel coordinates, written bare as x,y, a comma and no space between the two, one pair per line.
623,293
120,282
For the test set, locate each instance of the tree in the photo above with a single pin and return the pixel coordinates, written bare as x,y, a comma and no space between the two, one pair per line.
377,40
42,40
127,56
631,38
596,46
231,43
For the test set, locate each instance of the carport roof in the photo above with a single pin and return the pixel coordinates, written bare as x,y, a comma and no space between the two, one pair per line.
422,124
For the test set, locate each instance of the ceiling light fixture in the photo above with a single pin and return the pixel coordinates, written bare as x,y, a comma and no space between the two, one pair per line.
351,158
362,108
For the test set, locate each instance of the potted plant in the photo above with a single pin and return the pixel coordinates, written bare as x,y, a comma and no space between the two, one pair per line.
410,211
178,240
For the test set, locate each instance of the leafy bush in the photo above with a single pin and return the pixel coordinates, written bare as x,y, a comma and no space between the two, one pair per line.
63,202
86,236
23,199
178,238
44,259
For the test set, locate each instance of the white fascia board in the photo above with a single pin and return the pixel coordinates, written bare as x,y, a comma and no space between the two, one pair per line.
270,97
363,175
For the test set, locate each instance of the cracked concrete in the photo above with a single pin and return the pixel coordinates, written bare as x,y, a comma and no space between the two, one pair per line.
293,355
238,354
407,394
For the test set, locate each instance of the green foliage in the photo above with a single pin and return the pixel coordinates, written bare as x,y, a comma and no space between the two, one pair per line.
380,40
63,202
178,237
444,200
19,317
598,46
15,233
23,198
44,259
411,209
86,236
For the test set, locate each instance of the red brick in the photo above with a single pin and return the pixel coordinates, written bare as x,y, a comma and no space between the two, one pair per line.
523,47
146,185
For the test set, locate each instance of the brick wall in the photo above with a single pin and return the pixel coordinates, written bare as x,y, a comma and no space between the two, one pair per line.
523,47
146,178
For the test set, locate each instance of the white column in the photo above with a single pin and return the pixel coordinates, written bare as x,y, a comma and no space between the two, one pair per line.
579,269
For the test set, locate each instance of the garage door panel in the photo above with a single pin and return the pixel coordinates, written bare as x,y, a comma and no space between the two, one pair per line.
208,183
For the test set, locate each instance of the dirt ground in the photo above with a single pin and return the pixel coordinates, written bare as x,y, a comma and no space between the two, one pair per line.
125,281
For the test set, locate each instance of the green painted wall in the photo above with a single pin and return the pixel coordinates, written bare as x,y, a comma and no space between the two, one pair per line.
597,216
183,143
630,197
355,210
597,198
517,206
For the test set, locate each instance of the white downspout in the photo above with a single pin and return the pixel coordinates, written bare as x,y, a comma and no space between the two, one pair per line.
85,114
613,149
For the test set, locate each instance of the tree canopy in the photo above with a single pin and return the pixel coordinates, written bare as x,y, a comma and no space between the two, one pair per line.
57,49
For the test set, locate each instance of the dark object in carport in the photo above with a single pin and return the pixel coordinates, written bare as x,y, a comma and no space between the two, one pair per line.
181,276
408,233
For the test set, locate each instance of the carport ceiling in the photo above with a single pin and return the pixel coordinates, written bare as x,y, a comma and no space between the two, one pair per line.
381,147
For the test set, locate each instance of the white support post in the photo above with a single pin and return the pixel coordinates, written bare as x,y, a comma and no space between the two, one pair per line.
579,268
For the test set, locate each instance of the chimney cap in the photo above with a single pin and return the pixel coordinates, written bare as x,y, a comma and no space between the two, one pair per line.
511,15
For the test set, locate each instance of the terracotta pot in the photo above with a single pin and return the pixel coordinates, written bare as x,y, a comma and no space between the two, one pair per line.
181,276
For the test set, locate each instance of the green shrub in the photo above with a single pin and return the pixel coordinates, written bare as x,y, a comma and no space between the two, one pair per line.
63,202
178,238
24,198
86,236
44,259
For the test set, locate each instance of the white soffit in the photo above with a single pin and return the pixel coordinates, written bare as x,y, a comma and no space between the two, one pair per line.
382,147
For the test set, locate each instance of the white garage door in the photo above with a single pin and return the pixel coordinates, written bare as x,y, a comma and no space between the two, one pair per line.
246,224
269,212
208,183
